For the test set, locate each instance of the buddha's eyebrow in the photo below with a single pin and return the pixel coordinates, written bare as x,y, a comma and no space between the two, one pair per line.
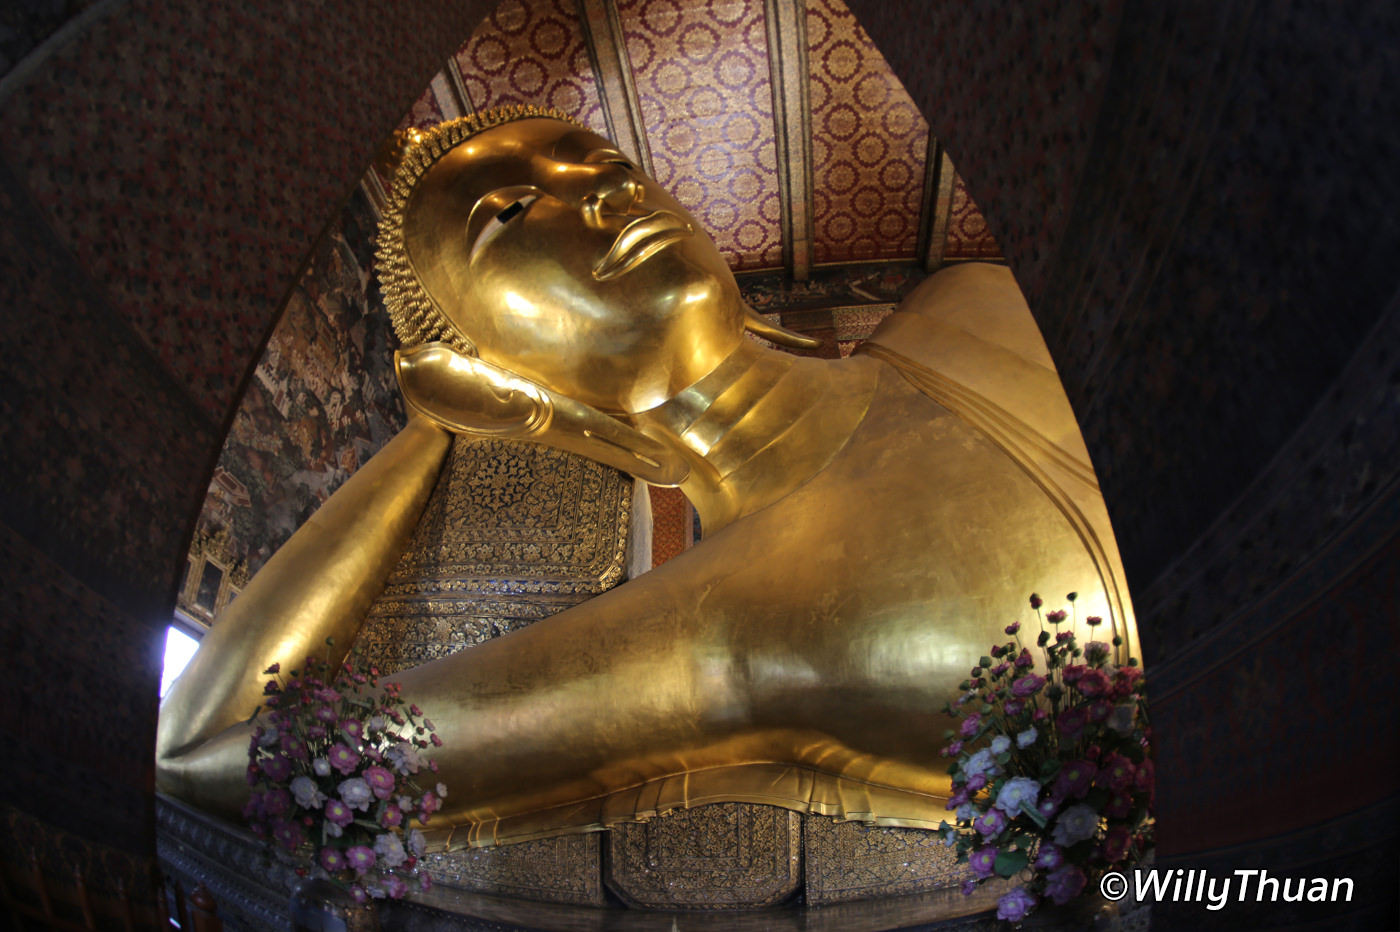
582,146
605,154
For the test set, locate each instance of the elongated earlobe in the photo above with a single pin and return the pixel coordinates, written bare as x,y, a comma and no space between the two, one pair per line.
472,397
761,326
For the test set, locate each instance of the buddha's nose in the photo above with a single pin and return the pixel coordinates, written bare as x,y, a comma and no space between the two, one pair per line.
612,190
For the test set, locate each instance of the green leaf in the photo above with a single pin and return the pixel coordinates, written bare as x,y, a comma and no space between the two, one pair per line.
1034,815
1010,863
1050,770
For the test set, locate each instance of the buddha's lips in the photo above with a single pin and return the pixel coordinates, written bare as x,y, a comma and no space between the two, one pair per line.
639,241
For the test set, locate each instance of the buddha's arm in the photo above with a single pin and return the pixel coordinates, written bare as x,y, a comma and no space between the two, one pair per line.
319,584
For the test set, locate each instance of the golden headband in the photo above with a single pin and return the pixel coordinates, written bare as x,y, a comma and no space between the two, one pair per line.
416,316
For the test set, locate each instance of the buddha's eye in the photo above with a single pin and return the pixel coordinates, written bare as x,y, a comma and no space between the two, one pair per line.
608,157
513,207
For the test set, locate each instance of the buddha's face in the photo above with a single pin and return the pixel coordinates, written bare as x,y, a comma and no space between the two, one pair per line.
564,263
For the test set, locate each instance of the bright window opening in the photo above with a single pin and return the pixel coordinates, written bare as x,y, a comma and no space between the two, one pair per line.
179,648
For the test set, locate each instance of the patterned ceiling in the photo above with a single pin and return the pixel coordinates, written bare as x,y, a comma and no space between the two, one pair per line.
776,122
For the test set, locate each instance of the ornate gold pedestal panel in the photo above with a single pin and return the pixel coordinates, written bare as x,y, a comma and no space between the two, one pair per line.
726,856
846,861
514,532
567,869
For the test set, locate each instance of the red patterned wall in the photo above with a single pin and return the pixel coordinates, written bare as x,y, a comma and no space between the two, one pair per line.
868,144
968,234
532,53
701,73
672,524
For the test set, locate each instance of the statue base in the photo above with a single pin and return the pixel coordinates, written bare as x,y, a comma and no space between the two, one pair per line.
253,891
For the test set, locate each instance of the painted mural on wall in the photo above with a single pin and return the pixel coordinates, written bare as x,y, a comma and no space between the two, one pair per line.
321,401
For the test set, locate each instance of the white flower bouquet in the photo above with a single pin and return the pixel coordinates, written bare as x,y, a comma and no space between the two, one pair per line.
1052,774
335,764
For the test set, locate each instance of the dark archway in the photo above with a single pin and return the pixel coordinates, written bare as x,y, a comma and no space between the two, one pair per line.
1197,198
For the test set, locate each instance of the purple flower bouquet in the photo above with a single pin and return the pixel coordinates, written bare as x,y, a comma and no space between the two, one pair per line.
334,765
1052,772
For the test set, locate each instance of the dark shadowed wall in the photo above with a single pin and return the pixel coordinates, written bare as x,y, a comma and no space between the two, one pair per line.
1199,199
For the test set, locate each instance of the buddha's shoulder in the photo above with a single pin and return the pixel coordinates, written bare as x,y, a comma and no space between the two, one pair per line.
966,338
965,312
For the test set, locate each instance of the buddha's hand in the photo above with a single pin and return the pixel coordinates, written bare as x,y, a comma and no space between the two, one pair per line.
472,397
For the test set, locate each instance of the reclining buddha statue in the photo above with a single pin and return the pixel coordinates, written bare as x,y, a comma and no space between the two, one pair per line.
871,524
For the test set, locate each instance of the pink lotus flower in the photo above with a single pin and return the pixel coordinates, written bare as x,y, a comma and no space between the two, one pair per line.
1016,905
380,781
360,858
1027,685
353,727
325,714
395,887
969,725
289,834
1119,806
1093,683
1145,778
332,859
1115,845
1024,659
1056,617
428,806
343,759
1013,627
1064,884
1117,772
278,768
992,822
326,694
1075,779
339,813
276,802
391,817
293,747
1071,723
1049,856
983,861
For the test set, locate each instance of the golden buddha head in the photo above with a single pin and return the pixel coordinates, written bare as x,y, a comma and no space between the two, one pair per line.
522,238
